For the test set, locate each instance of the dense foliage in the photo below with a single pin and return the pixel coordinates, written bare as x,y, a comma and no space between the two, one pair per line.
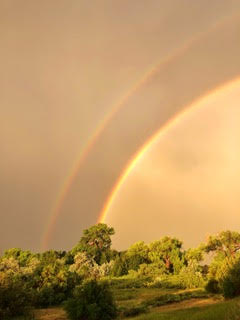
92,301
50,278
96,243
231,282
15,298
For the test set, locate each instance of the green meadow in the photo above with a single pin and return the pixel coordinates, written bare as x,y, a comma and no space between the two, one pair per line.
198,306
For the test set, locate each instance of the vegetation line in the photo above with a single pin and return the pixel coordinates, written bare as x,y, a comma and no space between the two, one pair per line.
93,281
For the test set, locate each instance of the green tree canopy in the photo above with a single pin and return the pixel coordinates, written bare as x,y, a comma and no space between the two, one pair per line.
168,251
136,255
96,242
225,247
225,242
22,256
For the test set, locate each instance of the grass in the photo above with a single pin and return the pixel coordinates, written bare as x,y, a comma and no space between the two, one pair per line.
50,314
227,310
132,302
169,298
128,298
128,282
30,317
162,304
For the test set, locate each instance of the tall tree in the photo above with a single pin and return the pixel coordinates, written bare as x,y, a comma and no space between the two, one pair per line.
136,255
225,248
96,242
226,242
168,251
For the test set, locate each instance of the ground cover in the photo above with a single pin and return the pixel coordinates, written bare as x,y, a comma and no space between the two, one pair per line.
227,310
160,304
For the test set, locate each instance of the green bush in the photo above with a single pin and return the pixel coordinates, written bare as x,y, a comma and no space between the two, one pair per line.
212,286
175,297
50,296
91,301
167,282
231,283
134,311
128,282
55,286
119,267
152,270
45,297
229,288
190,277
15,300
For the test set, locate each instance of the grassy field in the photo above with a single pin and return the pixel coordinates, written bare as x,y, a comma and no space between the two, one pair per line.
229,310
158,304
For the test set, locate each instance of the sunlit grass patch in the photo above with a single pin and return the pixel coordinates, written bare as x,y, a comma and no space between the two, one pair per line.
146,299
228,310
50,314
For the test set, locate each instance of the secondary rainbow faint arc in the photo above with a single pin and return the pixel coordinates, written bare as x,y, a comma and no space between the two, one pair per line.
94,137
160,133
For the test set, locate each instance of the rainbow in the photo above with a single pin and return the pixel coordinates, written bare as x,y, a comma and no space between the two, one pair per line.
148,75
197,104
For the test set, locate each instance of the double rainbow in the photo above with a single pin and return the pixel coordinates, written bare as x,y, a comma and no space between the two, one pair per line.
147,77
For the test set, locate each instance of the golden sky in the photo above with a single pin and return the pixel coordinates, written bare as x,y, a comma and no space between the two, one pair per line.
187,182
64,65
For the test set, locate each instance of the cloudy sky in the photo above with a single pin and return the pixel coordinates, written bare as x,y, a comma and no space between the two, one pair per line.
65,66
187,182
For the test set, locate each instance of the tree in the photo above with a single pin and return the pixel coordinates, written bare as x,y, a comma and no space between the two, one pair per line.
136,255
15,299
168,251
51,256
120,266
23,257
226,243
225,248
191,275
85,266
52,280
96,242
231,282
194,255
10,267
91,301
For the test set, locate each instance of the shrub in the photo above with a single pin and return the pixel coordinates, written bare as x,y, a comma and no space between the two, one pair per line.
167,282
119,267
175,297
151,270
134,311
45,297
231,283
15,300
53,284
191,277
128,282
229,288
91,301
212,286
